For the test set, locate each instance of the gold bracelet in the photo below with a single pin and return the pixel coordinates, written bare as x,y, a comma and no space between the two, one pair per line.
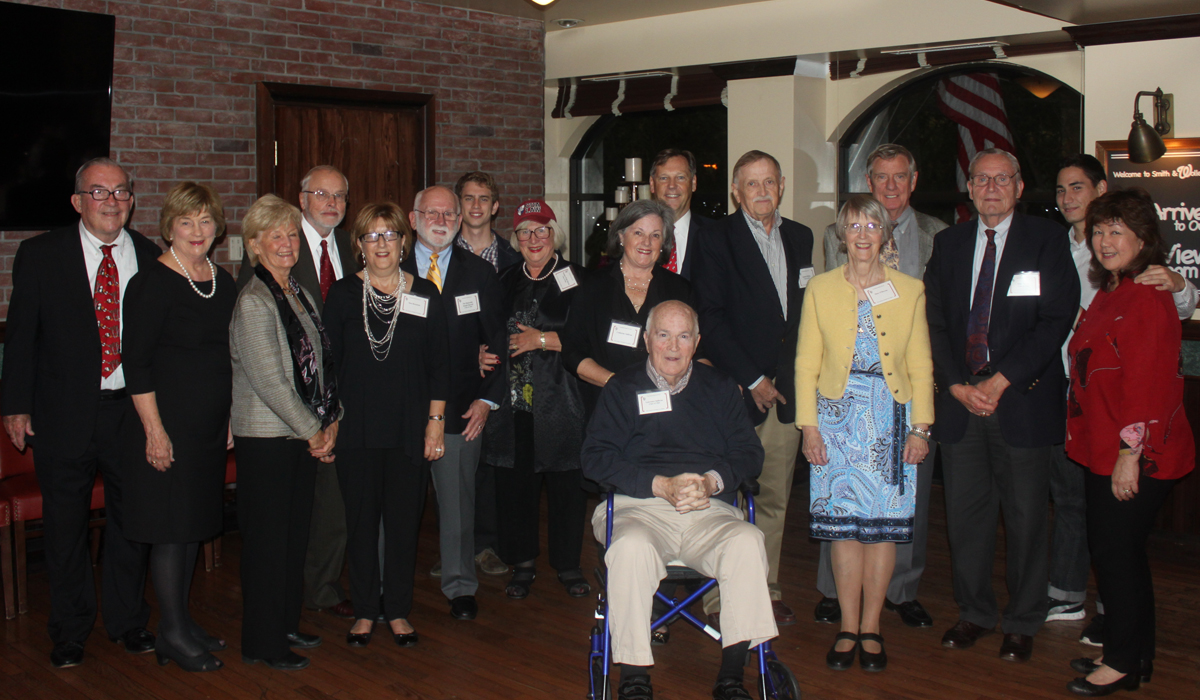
543,341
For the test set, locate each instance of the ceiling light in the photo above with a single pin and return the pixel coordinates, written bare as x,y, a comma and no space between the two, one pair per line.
568,23
543,3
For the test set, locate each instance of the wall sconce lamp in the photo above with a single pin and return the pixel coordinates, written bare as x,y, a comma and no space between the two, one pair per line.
1146,142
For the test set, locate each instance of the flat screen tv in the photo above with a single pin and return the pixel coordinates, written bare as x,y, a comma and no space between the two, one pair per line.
55,108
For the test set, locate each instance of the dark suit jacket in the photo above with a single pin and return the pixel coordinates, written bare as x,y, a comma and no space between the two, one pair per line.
305,270
467,274
1025,334
695,227
52,350
742,325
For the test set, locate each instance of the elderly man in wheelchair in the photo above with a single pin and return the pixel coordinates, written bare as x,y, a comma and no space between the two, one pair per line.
672,441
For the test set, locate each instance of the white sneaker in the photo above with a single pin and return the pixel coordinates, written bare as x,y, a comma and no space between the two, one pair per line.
1065,610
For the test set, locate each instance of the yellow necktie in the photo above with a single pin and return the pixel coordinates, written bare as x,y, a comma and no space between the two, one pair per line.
434,275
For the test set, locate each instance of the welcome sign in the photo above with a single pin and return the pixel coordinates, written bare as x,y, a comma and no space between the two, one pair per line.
1173,181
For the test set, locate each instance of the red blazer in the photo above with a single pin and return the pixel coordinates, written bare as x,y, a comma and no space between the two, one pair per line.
1125,370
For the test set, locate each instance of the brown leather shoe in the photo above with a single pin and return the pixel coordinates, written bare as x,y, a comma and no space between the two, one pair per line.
963,635
1016,647
783,614
343,609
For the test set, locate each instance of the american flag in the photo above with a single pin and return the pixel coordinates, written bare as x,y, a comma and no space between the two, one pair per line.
973,101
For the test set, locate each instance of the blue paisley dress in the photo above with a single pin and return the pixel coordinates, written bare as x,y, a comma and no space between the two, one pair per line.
865,492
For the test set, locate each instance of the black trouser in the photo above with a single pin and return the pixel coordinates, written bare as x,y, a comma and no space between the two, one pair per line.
66,485
1117,534
276,478
382,483
485,505
518,506
984,476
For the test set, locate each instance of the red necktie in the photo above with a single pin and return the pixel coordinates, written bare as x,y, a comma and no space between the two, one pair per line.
673,264
107,296
981,308
326,270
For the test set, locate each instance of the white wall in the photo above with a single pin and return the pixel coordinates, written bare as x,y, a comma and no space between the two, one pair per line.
1114,74
562,137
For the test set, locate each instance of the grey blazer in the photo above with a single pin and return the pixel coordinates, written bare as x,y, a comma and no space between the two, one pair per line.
265,402
927,227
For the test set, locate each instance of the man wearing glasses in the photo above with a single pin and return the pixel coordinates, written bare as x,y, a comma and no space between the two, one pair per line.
1001,295
472,297
325,258
64,392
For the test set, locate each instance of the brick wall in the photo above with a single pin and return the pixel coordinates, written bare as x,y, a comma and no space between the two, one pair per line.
185,73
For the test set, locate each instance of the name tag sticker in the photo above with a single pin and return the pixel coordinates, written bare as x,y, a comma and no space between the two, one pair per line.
624,334
882,293
1026,284
806,274
654,402
467,303
414,305
566,279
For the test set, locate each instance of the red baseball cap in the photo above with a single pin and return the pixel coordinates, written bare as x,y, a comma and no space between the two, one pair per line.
533,210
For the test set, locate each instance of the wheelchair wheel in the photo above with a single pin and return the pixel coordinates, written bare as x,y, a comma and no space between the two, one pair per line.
599,690
779,683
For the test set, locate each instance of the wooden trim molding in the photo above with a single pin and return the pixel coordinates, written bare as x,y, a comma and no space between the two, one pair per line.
1156,29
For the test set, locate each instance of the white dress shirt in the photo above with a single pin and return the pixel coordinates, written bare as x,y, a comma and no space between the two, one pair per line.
1001,236
127,266
681,238
314,244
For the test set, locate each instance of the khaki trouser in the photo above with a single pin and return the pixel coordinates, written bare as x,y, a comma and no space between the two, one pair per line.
717,542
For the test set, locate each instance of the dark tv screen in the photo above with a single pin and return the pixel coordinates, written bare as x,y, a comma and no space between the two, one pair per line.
55,109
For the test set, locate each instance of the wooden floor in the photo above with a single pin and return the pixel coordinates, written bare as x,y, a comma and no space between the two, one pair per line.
536,648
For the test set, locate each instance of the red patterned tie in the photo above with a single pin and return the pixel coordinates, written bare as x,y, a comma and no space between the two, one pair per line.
326,270
107,296
981,308
673,263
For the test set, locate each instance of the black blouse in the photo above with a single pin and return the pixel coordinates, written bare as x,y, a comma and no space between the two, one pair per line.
601,301
386,402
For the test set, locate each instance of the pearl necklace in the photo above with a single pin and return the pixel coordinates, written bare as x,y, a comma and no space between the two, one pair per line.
386,308
630,284
525,269
211,270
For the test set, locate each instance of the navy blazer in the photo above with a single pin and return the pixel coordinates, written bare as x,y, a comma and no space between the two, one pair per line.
52,352
470,274
742,326
696,226
1025,333
305,269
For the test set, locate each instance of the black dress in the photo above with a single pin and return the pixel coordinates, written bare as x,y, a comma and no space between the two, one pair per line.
601,301
176,344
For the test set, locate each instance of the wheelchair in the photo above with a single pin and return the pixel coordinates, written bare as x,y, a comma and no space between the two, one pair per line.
775,680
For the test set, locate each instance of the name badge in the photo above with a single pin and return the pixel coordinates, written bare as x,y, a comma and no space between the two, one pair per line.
1026,284
806,274
624,334
414,305
882,293
467,303
654,402
566,279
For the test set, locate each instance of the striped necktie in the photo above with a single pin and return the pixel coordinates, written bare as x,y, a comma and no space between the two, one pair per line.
434,275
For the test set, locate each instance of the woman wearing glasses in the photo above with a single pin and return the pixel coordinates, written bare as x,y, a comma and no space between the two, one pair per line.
388,332
535,436
864,393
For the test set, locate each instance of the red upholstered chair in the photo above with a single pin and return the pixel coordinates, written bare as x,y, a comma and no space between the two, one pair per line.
19,489
212,548
6,564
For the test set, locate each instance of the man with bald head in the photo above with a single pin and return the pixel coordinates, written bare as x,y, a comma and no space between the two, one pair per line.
473,298
64,393
671,437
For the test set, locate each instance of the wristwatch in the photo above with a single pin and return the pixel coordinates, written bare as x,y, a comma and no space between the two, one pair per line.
438,417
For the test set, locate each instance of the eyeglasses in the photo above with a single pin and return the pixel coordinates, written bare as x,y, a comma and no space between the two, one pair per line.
1001,180
869,227
374,236
323,196
431,215
542,232
100,194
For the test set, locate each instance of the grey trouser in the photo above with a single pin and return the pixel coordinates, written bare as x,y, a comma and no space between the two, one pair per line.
454,482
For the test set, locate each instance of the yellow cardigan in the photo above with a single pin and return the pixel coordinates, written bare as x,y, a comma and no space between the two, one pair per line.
828,326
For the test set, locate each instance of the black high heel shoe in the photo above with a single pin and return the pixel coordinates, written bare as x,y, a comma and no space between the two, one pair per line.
1084,687
193,664
842,660
1086,666
867,660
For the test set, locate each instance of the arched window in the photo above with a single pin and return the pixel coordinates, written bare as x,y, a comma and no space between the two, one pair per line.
598,164
932,114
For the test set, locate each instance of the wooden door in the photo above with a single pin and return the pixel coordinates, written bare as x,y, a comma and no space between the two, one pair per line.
382,141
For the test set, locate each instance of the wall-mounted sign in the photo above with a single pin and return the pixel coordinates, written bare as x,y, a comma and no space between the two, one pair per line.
1173,181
